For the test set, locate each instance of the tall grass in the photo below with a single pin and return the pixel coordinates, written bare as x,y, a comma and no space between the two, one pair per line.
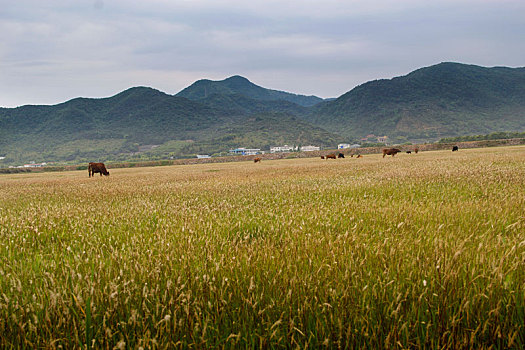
424,251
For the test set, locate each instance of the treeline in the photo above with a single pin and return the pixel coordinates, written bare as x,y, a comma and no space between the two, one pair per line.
502,135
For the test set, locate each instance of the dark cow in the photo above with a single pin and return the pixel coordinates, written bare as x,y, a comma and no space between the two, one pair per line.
340,155
409,152
322,157
256,160
390,151
97,168
455,148
416,150
331,156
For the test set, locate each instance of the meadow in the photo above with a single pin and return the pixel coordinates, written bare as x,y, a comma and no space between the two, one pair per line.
414,251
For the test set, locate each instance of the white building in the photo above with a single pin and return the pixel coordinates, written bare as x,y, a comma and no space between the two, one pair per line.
343,145
246,151
203,156
34,165
310,148
284,148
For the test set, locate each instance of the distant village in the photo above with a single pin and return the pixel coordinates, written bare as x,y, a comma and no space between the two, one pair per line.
30,165
276,149
251,151
310,148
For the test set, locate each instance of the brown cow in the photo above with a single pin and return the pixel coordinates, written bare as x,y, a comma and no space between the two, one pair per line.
416,150
331,156
322,157
390,151
97,168
359,156
256,160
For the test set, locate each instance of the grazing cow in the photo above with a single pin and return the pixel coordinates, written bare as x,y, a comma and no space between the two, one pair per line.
455,148
322,157
340,155
409,152
359,156
330,156
390,151
256,160
416,150
97,168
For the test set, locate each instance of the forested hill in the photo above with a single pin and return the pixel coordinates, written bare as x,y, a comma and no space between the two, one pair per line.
448,99
237,85
445,100
127,125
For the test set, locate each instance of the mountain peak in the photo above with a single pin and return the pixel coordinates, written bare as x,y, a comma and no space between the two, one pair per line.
140,90
237,78
239,85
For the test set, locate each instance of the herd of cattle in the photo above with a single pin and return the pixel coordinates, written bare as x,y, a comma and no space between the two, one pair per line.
386,152
101,168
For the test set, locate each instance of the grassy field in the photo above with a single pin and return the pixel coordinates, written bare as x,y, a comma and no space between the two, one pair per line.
415,251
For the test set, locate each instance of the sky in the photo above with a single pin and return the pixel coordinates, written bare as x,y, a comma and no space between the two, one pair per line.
54,50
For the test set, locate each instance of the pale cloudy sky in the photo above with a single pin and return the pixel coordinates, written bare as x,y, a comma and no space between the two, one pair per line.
55,50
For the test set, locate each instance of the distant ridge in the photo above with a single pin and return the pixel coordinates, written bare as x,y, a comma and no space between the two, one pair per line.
239,85
209,117
447,99
115,128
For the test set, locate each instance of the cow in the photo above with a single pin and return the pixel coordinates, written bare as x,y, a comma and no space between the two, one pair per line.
416,150
97,168
340,155
455,148
322,157
330,156
409,152
359,156
390,151
256,160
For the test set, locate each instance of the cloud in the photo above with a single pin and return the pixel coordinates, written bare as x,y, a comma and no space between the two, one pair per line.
57,49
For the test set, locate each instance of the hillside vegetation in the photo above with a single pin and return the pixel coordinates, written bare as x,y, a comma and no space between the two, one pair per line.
448,99
445,100
114,128
491,136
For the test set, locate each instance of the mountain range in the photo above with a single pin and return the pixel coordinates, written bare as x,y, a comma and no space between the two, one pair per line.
444,100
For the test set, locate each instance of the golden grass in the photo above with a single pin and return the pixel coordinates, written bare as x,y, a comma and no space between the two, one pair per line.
423,250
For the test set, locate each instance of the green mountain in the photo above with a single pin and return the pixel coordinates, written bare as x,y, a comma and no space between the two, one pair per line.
241,104
122,126
238,85
445,100
448,99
